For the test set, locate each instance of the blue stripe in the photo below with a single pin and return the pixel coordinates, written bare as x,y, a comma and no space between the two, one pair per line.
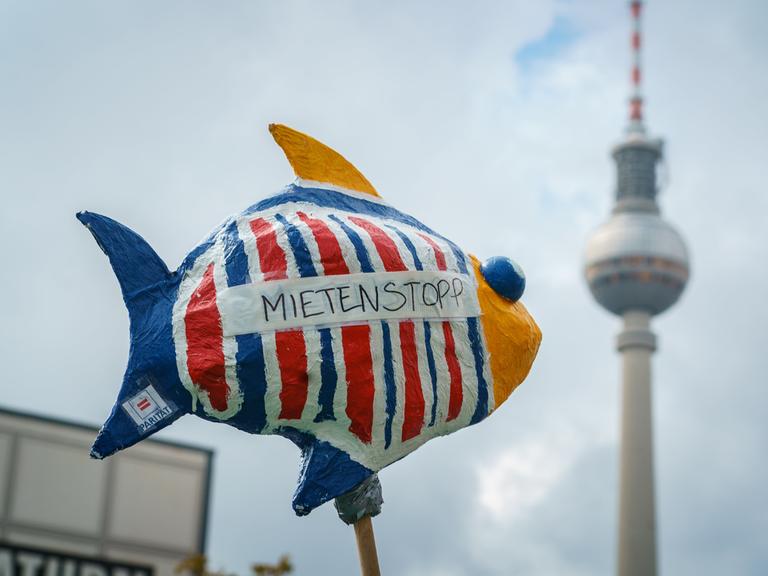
409,245
389,385
357,242
432,369
251,372
328,376
298,247
481,409
460,259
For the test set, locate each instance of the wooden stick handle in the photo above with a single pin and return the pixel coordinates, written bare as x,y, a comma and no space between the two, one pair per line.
366,547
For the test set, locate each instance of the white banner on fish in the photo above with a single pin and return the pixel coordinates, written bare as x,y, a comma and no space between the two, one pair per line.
347,298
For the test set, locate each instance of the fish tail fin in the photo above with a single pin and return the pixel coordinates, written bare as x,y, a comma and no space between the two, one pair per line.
150,397
136,264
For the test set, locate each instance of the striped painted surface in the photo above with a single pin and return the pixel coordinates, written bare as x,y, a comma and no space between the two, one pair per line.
376,390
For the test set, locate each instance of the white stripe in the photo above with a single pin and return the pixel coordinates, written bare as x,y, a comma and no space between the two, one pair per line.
246,234
314,376
380,392
399,377
443,374
424,375
340,396
468,373
273,381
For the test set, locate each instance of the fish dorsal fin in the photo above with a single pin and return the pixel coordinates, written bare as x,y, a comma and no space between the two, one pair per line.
313,160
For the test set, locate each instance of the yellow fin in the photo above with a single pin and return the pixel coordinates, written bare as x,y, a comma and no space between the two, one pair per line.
313,160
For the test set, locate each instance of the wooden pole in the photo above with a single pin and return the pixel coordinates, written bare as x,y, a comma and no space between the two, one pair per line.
366,547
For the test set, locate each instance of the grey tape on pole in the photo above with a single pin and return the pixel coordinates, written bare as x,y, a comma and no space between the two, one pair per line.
363,500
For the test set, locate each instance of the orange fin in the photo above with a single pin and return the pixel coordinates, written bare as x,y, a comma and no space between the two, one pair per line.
313,160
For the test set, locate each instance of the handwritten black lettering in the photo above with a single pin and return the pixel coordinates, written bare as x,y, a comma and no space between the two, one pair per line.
443,287
280,303
412,284
343,297
456,293
424,294
304,303
387,289
328,297
365,296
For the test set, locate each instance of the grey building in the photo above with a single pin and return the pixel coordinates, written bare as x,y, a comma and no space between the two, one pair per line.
137,513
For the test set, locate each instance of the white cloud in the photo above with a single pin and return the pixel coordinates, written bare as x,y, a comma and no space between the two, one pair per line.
519,478
156,115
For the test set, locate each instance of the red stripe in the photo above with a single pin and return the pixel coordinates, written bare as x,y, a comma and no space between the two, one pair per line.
414,397
385,246
143,404
330,251
636,75
439,256
360,390
290,345
205,353
271,256
636,40
454,371
636,9
413,417
457,394
292,358
355,340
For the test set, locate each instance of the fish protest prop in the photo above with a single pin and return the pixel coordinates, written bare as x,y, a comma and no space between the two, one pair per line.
321,314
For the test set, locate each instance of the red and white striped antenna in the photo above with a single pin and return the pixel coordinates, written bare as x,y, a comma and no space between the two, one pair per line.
636,98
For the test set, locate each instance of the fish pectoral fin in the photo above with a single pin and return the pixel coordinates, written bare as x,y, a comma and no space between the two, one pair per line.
326,472
313,160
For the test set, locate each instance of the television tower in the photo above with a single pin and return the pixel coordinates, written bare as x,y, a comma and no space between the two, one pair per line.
637,267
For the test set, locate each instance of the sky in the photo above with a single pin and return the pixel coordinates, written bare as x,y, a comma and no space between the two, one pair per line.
492,122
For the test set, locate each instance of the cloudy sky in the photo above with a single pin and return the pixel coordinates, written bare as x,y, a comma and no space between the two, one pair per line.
491,122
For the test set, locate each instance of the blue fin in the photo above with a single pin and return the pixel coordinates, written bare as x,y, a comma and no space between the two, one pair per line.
148,291
136,264
326,472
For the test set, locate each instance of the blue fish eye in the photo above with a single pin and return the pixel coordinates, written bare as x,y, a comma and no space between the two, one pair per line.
504,276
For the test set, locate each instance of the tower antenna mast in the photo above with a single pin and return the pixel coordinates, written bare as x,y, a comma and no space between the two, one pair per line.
636,98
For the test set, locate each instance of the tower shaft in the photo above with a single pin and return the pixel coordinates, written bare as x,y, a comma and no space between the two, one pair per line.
637,511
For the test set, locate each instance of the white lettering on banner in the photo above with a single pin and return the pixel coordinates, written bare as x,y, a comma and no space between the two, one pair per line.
23,561
346,298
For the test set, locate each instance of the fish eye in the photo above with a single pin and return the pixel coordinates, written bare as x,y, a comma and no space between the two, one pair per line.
504,276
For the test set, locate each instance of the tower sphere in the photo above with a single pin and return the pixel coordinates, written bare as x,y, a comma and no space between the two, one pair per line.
636,261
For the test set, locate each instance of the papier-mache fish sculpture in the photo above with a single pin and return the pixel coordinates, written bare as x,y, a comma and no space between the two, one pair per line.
321,314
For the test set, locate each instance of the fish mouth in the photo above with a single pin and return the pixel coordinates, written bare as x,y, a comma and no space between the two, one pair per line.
512,337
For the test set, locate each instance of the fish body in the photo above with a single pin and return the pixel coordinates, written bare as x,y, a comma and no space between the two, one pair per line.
322,314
